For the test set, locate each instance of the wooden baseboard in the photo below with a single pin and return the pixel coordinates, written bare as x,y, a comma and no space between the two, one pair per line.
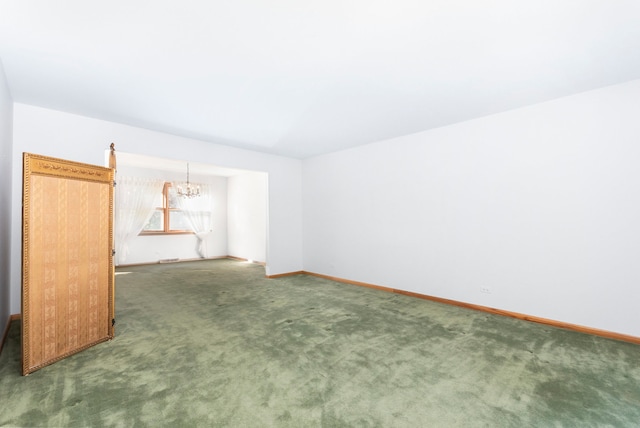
282,275
6,329
241,259
530,318
524,317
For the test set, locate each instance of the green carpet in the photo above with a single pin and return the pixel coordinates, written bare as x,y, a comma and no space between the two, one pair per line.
214,343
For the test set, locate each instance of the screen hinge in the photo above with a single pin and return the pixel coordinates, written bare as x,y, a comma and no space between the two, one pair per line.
113,322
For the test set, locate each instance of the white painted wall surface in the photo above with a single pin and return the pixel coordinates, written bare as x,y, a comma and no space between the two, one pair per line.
6,150
53,133
541,205
151,249
154,248
247,215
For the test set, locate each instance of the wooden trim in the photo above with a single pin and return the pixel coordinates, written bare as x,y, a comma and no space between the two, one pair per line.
49,166
530,318
282,275
171,232
166,212
348,281
12,318
166,216
524,317
112,156
241,259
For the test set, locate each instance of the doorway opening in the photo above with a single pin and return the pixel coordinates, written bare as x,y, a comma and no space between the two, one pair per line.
239,212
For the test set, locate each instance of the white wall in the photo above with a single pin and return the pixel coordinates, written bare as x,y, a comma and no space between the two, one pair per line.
6,150
541,205
247,214
53,133
152,248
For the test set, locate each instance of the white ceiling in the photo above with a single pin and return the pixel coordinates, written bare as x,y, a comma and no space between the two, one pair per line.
300,78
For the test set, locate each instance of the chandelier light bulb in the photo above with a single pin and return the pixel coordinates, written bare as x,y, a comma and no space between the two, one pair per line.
189,191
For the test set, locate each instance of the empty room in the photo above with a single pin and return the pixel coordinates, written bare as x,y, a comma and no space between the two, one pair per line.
319,214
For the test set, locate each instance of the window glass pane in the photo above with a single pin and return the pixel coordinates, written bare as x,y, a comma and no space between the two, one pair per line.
172,197
156,222
178,221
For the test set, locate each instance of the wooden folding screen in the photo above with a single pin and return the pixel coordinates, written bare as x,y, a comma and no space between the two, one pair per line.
68,276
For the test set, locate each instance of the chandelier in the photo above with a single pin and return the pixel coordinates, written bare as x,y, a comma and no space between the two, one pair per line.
189,191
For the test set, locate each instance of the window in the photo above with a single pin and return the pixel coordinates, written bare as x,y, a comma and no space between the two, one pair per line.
167,218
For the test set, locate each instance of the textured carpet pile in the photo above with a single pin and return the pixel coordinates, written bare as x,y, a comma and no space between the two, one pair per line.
214,343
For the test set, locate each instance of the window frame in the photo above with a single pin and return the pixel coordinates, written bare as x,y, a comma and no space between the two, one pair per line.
166,216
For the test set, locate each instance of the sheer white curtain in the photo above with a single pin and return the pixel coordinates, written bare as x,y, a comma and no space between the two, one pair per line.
198,213
135,203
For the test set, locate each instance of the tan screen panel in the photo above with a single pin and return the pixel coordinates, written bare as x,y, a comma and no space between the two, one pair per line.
67,266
